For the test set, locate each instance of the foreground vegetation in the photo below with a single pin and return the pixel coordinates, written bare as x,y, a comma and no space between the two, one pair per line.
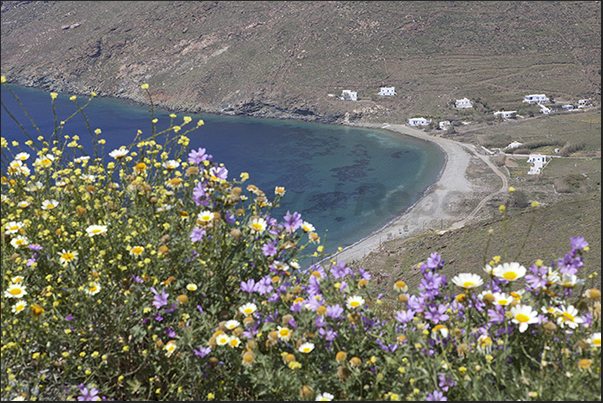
147,273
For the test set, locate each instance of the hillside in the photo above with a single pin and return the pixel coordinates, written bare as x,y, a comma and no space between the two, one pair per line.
282,59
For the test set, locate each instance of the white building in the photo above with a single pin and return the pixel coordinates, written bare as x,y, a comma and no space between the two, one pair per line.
535,98
583,103
444,124
418,122
387,91
348,95
544,109
568,107
539,162
514,144
505,114
464,103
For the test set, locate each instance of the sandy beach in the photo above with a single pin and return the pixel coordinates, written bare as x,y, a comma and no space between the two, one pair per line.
434,211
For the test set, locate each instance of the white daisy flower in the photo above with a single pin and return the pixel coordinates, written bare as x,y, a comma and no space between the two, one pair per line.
205,216
354,302
324,397
306,348
284,333
23,204
509,271
119,153
19,241
19,306
33,187
439,330
307,227
170,346
44,161
234,341
22,156
231,324
524,315
49,204
502,299
13,227
222,339
191,287
96,230
484,344
568,316
171,164
595,340
15,290
258,224
67,256
248,308
93,288
137,251
467,280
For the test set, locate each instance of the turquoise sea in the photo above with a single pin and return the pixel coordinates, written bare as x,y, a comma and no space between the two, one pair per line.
345,180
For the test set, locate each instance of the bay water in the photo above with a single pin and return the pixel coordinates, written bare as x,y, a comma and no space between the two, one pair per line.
346,181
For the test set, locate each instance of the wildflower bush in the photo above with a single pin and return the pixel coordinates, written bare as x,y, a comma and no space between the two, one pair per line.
147,273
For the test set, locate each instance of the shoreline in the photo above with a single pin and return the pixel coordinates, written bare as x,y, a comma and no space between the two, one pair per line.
432,211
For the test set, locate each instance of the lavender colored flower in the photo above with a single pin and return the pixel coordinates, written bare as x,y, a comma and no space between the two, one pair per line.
436,396
320,321
269,249
569,265
340,270
35,247
292,222
158,318
248,286
200,309
417,303
202,351
197,234
218,173
170,333
445,382
88,395
137,279
200,194
405,316
69,317
538,278
230,218
160,299
328,333
197,157
313,286
32,260
437,314
578,243
264,286
334,311
364,274
435,262
497,315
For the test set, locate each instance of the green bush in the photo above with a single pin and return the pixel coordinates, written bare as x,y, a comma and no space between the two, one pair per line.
143,275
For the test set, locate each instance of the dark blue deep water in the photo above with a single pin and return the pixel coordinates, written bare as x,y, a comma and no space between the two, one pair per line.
349,181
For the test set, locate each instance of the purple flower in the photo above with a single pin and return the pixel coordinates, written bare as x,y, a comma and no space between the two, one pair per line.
578,243
292,222
539,277
31,260
269,249
248,286
405,316
197,234
365,275
436,396
200,309
137,279
328,333
264,286
445,382
35,247
569,265
313,286
69,317
437,314
434,262
416,303
334,311
197,157
229,217
158,317
88,395
200,195
160,299
340,270
218,173
496,315
202,351
170,333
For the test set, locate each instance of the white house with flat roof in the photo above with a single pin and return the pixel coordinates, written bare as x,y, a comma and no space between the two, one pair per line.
418,122
539,162
387,91
535,98
348,95
464,103
444,124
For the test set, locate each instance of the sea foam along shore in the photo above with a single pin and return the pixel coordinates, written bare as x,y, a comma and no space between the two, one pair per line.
435,210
